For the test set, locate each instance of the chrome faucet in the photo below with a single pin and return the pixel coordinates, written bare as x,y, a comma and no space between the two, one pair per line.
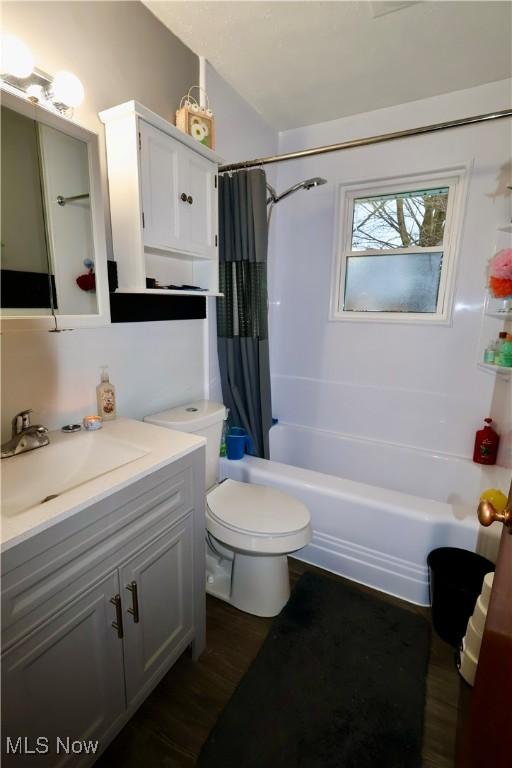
25,436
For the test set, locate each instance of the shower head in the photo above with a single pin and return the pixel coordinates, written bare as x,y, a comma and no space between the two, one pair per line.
316,181
274,198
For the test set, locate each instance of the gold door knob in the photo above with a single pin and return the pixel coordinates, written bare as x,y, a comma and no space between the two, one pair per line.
488,514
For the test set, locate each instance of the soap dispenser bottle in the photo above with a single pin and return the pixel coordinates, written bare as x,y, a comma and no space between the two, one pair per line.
106,394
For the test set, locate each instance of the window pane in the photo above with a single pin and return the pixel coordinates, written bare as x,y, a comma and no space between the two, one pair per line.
401,283
400,220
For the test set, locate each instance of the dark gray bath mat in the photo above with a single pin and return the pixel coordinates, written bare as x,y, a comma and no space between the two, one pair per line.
339,682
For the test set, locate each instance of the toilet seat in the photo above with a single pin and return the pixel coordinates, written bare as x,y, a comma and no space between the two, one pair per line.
256,518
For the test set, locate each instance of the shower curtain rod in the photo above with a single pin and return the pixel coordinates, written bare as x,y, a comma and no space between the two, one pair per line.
352,143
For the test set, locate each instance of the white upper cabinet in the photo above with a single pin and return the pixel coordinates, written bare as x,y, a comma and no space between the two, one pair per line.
178,195
199,180
159,161
163,201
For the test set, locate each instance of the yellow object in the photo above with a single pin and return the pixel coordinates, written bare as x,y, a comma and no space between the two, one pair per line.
496,497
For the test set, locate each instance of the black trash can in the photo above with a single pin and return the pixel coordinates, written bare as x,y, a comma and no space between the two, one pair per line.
456,578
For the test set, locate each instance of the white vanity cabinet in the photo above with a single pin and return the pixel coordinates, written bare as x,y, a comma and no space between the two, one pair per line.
153,626
95,611
163,202
65,679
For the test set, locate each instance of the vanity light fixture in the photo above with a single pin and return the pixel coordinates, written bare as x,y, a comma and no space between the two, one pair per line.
35,93
61,93
66,90
16,57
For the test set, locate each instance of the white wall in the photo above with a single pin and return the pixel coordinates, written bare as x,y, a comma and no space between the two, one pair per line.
120,52
152,365
501,412
409,384
241,134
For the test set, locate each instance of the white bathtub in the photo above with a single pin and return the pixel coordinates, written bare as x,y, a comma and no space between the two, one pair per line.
377,509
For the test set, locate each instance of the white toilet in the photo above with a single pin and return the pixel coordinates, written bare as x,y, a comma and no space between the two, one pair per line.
250,528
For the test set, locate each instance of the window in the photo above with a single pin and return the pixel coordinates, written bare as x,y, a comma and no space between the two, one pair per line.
396,250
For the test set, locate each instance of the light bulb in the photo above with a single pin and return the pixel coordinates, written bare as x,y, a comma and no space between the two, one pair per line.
17,57
35,92
67,89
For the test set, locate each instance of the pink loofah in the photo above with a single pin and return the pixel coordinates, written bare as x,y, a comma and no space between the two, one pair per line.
501,264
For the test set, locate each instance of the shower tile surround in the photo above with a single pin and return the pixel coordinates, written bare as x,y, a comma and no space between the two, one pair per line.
408,384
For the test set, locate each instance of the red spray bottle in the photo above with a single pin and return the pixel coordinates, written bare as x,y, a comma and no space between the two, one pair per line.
487,441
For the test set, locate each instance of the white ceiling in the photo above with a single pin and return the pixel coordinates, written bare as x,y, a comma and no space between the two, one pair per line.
299,63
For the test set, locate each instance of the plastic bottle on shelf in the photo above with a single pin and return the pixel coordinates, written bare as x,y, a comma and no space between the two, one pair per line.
490,353
506,352
502,337
487,442
506,306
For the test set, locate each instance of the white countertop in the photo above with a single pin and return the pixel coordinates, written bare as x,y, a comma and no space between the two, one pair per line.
119,454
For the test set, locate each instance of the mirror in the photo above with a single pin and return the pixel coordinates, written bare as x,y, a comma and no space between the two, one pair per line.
53,249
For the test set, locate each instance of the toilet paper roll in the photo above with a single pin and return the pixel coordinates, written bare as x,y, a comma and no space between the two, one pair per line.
473,640
467,667
486,589
479,615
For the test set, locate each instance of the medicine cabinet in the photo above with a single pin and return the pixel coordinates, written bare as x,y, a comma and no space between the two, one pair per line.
52,216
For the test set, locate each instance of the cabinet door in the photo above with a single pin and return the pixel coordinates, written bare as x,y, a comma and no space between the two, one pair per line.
198,177
161,204
158,607
65,680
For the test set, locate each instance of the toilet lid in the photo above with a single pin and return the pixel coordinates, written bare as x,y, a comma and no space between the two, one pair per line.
256,509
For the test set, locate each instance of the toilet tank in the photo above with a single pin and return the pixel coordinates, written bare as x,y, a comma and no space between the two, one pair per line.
201,417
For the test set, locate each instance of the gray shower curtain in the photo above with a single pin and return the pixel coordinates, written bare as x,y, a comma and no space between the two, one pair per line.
242,315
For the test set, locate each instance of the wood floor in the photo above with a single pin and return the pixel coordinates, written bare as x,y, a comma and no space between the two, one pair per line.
170,727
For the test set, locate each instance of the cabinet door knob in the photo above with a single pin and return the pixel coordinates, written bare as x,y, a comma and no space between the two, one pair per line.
190,199
183,197
118,624
134,610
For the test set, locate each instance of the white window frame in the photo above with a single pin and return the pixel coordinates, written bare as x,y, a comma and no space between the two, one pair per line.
456,181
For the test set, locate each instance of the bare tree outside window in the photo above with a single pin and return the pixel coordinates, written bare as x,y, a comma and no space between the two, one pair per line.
402,220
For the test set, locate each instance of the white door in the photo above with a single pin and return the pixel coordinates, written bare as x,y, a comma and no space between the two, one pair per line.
64,681
198,177
158,606
161,203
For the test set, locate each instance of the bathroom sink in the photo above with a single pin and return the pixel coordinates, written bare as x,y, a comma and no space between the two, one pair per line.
42,487
68,461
